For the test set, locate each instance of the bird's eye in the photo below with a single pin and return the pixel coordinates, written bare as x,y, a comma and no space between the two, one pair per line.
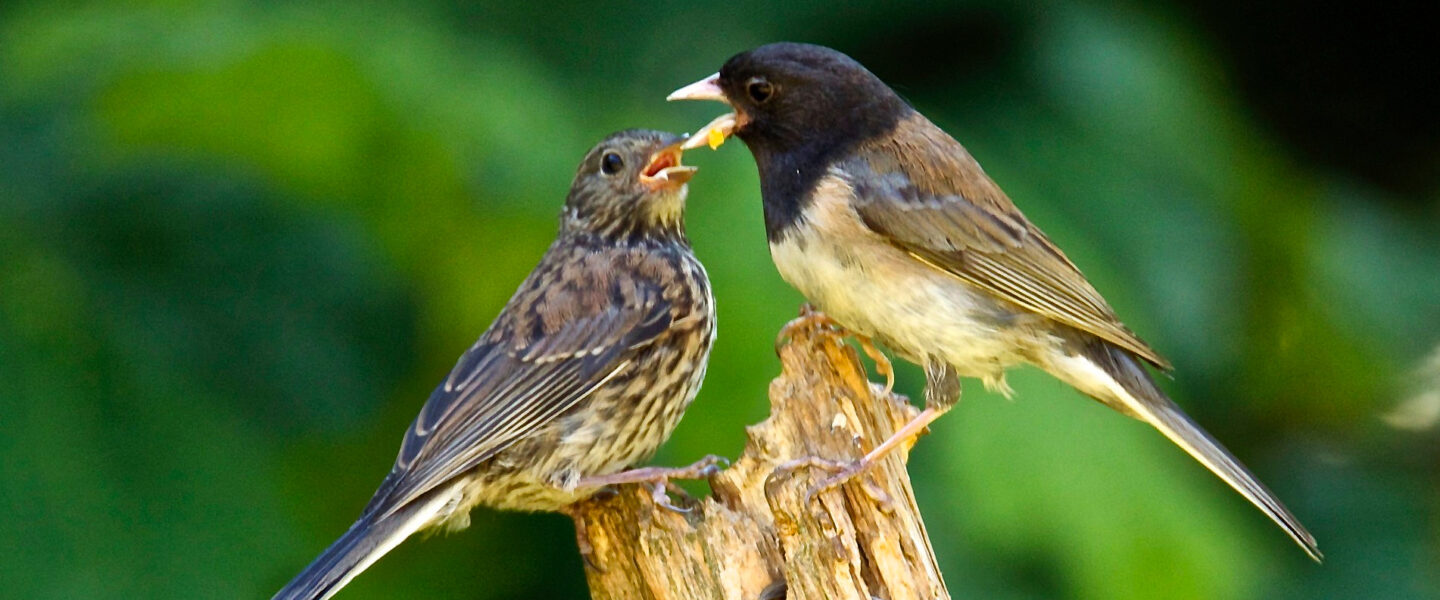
759,89
611,163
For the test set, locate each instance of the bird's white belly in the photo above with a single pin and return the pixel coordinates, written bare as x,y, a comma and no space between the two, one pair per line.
875,289
914,309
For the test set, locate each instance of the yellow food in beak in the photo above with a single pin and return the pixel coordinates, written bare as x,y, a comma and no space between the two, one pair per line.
712,134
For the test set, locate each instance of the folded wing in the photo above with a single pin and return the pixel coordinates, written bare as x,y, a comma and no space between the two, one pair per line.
951,216
499,392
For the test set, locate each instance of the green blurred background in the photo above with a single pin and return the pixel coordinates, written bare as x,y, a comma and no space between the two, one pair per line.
240,242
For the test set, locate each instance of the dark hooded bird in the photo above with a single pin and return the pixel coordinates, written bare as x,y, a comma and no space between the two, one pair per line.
889,226
583,374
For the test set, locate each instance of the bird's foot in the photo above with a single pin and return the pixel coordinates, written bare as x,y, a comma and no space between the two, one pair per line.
658,479
882,362
843,472
847,473
810,318
582,539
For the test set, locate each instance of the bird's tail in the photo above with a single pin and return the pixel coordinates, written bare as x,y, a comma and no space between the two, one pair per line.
1117,379
372,536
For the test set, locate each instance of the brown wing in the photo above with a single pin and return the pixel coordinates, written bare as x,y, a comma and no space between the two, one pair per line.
939,206
547,351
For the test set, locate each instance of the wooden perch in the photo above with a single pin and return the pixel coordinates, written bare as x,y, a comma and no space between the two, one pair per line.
756,537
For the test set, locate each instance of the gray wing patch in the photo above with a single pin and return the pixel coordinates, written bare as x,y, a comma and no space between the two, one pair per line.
997,250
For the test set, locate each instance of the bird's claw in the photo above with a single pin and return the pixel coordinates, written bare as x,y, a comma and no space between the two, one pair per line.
809,318
843,473
846,474
587,555
660,494
882,362
807,462
704,468
700,469
582,540
812,318
658,478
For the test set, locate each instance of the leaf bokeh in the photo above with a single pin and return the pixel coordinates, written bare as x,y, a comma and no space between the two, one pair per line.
239,242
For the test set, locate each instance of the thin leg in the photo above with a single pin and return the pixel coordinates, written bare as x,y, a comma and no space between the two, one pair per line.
882,362
658,478
915,427
582,539
700,469
942,390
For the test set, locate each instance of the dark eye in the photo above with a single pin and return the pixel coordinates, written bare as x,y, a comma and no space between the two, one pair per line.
759,89
611,163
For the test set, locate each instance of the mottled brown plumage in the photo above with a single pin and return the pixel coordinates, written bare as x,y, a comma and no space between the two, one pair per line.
584,373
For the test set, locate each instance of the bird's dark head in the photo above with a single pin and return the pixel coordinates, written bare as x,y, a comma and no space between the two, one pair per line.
799,108
796,98
630,187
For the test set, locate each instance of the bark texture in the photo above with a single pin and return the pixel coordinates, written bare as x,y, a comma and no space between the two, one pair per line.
757,536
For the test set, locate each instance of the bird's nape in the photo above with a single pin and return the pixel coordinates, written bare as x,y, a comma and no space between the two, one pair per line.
887,224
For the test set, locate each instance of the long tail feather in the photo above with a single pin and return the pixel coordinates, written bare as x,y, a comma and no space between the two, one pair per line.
1116,378
364,543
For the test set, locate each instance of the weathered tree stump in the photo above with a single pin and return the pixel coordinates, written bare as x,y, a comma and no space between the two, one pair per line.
756,536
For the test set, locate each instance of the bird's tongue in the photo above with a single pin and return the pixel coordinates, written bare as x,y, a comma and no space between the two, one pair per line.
661,161
664,168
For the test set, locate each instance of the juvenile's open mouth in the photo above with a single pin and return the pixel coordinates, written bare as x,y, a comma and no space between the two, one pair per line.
665,170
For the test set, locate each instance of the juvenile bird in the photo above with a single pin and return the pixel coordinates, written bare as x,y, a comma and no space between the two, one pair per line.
890,227
584,373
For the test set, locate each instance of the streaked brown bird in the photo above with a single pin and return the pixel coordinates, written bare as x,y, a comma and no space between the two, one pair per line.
584,373
890,227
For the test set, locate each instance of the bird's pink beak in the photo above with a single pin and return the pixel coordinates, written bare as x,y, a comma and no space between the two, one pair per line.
705,89
716,132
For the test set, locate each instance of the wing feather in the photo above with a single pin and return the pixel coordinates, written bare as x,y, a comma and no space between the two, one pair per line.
950,215
497,394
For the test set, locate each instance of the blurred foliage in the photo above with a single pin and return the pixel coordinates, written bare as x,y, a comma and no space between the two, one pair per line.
239,242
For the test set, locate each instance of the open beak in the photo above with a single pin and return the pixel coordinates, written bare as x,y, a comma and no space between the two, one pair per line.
705,89
716,132
713,133
664,170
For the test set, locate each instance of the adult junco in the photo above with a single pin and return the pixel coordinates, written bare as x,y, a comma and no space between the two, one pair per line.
890,227
584,373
